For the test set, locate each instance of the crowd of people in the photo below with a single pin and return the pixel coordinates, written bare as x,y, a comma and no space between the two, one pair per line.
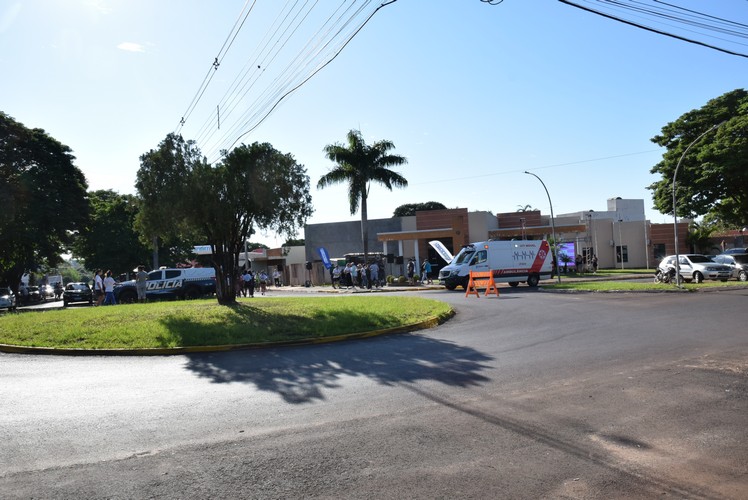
248,281
356,275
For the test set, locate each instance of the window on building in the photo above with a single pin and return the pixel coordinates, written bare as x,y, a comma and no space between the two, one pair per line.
622,252
659,251
587,253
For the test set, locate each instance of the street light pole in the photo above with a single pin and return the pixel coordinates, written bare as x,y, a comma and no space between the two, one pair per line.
553,225
675,211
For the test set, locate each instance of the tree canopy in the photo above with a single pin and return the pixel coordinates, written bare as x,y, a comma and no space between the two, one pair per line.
410,209
713,174
110,240
359,164
254,186
43,195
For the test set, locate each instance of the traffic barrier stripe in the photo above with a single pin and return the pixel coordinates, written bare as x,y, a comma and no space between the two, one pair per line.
481,280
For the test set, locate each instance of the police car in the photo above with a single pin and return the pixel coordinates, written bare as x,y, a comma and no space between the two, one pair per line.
187,283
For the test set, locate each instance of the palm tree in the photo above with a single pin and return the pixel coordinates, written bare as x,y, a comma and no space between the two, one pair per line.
525,208
359,164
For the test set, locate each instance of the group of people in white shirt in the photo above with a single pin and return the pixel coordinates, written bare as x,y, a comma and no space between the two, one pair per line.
355,275
104,288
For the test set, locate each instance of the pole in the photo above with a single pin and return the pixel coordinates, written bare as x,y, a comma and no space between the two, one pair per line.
553,224
620,241
675,211
646,243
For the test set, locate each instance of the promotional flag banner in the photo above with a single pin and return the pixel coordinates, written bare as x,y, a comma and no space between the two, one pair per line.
325,257
441,250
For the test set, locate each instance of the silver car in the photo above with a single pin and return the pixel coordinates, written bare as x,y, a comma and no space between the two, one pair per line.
697,267
738,262
7,299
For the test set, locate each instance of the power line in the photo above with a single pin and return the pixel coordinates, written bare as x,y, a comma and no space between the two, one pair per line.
277,94
216,63
257,102
554,165
692,18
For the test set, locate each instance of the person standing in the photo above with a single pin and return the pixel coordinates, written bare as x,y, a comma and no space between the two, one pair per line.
594,263
336,276
98,287
411,269
263,282
247,278
374,270
140,282
346,278
109,290
250,283
426,278
354,275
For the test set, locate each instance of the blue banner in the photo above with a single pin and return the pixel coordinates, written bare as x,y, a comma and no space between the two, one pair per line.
325,257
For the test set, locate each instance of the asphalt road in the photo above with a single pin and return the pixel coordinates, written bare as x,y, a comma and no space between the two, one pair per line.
528,395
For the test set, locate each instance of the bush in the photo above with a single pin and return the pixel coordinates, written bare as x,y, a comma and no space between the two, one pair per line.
402,279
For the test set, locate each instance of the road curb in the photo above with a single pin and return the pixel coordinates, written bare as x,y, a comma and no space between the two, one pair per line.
171,351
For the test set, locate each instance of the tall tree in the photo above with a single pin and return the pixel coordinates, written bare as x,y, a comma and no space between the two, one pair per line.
43,195
699,238
713,174
410,209
159,220
254,186
358,165
112,225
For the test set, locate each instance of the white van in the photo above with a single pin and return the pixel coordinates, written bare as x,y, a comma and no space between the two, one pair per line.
526,261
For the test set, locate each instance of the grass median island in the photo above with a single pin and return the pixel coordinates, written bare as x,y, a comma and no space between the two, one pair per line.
205,323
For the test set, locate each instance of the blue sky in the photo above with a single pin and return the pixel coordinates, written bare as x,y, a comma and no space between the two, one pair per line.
471,94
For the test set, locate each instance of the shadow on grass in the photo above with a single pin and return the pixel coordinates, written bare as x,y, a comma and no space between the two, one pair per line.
300,375
251,325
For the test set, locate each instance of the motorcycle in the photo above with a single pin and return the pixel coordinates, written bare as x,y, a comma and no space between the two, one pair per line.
665,276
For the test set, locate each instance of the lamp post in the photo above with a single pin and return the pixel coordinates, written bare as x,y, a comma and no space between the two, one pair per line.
675,211
553,225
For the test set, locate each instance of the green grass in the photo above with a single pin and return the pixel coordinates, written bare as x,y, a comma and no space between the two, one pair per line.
205,323
628,286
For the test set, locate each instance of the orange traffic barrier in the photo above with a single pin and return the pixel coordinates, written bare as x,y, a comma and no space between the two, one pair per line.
481,280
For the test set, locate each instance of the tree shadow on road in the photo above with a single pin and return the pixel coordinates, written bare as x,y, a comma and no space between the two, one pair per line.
299,375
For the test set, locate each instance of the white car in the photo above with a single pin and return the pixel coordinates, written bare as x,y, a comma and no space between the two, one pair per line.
697,267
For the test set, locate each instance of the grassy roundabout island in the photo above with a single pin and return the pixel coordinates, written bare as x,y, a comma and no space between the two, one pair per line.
200,324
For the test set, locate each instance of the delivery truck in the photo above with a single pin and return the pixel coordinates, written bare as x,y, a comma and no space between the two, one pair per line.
513,262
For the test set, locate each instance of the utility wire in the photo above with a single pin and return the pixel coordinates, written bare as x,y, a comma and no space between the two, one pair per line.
274,92
661,32
336,33
216,63
313,73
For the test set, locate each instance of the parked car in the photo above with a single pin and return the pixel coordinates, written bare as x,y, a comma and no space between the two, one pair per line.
46,291
77,292
697,267
738,262
7,299
181,283
731,251
30,295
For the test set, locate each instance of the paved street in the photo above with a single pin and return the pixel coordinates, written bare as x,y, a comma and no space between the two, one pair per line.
528,395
